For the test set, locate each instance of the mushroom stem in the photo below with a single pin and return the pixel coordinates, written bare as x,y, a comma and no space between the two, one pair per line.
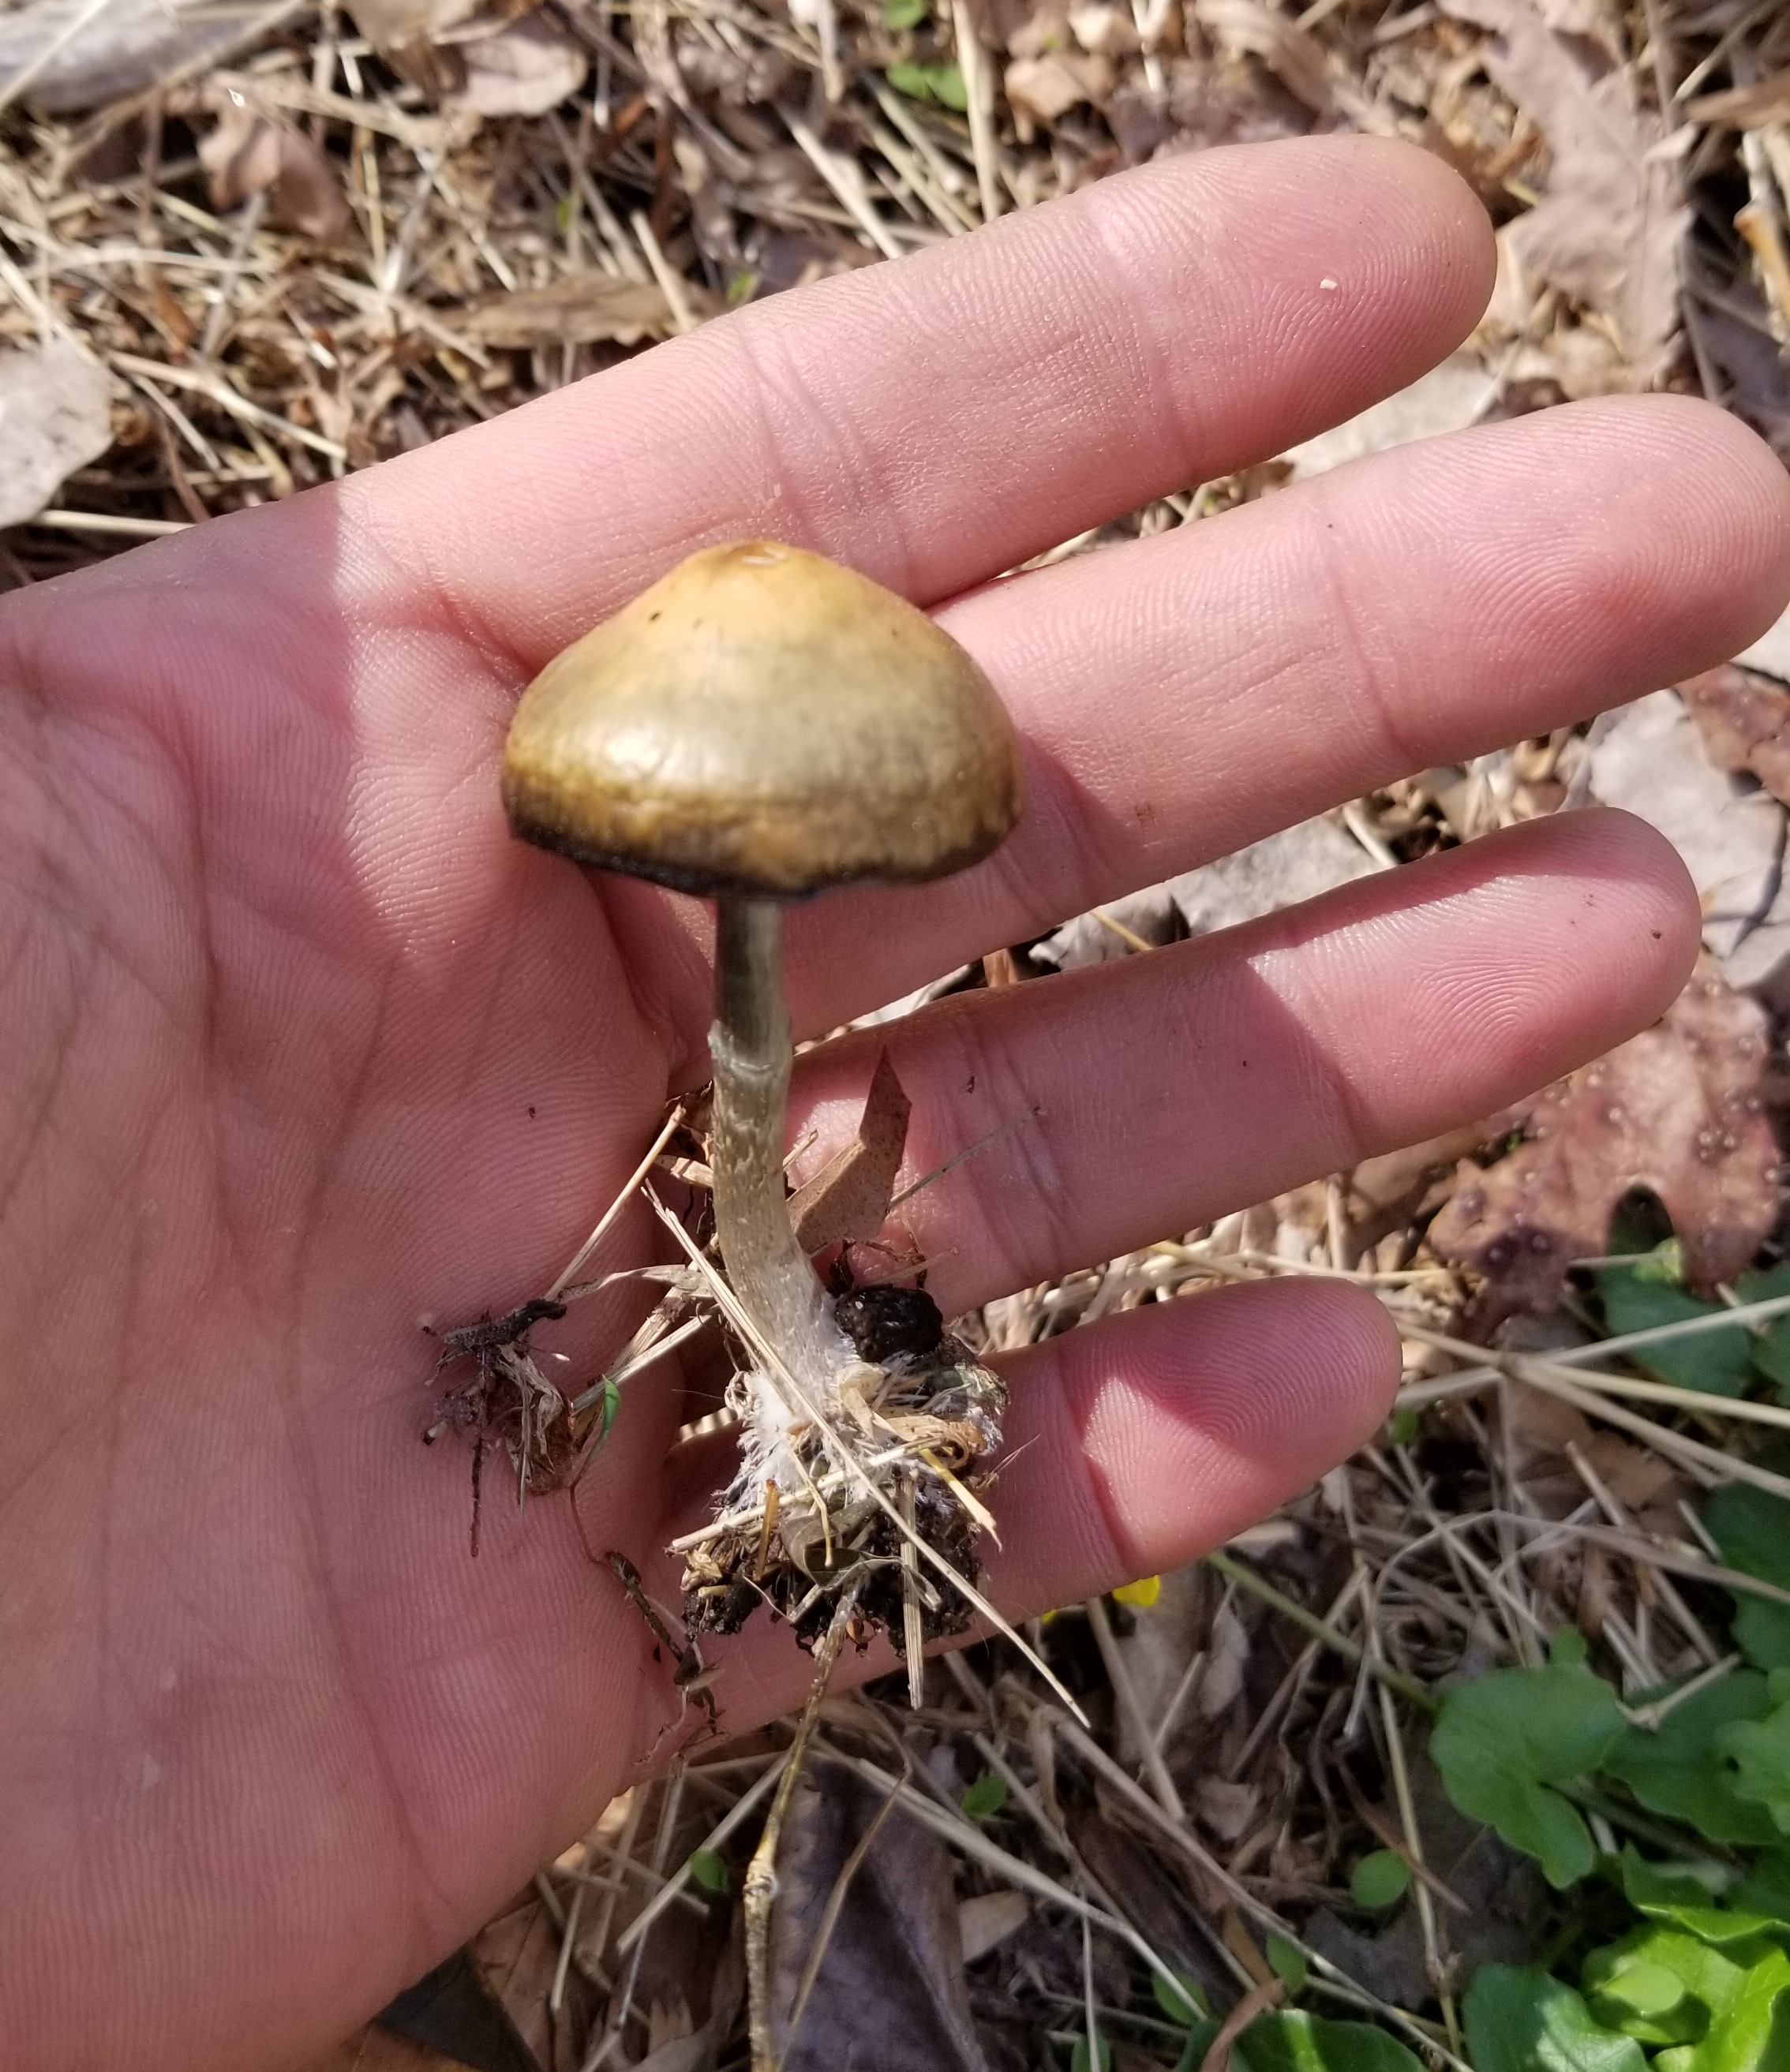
750,1044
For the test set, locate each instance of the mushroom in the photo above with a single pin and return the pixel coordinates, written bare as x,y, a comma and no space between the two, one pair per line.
761,725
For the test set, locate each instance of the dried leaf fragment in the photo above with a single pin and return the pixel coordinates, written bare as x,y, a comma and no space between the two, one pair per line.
56,416
849,1198
893,1968
523,70
1745,722
1676,1109
1653,762
253,150
1048,86
1294,56
1609,228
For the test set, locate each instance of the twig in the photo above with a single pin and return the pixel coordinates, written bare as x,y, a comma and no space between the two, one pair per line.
1126,1691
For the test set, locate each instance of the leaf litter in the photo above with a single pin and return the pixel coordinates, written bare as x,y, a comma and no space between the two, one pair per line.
286,242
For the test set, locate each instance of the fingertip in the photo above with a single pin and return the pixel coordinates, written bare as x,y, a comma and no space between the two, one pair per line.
1694,510
1448,224
1663,914
1749,491
1162,1434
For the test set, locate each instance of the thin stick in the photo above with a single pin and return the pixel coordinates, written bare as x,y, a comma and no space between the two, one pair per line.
98,522
1126,1691
979,93
607,1220
1613,1509
1257,2000
1717,1465
1417,1394
1687,1327
671,283
913,1631
957,1158
557,1994
741,1812
760,1889
846,182
1413,1842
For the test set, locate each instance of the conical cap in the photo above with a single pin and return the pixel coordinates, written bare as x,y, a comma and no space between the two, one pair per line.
762,720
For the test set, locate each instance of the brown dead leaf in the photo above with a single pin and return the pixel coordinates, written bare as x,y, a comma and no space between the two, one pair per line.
253,150
1386,1192
891,1988
848,1197
1676,1109
1537,1430
987,1920
1745,722
1247,28
523,70
584,309
1609,228
1042,88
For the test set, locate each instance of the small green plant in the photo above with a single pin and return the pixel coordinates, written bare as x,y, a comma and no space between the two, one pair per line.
1641,1296
710,1872
1291,2040
1185,2003
1287,1960
984,1798
1380,1879
942,82
1699,1981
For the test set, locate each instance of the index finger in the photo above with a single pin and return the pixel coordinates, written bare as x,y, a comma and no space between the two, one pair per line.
935,421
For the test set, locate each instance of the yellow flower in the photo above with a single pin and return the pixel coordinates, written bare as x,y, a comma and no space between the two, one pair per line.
1140,1595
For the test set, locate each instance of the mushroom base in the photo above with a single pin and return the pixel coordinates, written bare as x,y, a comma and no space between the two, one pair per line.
916,1432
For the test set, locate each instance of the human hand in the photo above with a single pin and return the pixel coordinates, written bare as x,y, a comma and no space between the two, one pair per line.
298,1045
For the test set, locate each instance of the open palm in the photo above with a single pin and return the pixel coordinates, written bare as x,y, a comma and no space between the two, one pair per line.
298,1046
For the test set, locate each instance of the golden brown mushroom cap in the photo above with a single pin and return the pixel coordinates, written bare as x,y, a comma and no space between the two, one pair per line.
763,722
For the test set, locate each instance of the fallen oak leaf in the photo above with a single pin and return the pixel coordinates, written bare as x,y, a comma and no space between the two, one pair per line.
1652,761
1609,228
1676,1110
1744,719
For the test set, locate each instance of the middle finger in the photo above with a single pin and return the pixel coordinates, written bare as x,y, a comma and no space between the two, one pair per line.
1142,1099
1182,696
